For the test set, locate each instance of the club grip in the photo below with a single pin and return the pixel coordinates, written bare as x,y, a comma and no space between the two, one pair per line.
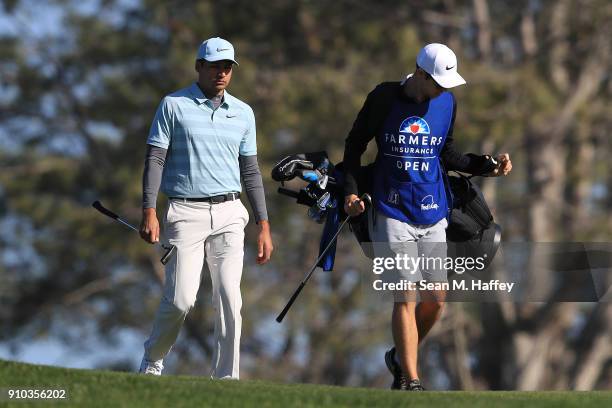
98,206
367,200
282,314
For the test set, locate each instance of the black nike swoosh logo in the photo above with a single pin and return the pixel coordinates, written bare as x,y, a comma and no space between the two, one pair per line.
447,67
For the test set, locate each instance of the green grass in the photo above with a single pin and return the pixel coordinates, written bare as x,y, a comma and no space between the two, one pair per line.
88,388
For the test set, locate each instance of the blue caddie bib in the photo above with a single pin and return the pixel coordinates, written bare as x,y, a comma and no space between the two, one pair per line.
408,178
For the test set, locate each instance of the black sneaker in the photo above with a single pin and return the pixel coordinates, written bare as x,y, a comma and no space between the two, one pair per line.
400,381
404,384
415,385
395,369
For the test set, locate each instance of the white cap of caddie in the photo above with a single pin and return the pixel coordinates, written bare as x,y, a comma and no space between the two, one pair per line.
440,62
216,49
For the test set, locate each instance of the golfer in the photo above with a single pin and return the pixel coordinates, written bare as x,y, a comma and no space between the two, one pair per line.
201,145
415,148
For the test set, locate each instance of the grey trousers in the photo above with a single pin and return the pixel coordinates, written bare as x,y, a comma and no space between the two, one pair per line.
203,232
393,237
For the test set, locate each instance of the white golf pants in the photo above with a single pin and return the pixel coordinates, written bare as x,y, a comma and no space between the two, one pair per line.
215,233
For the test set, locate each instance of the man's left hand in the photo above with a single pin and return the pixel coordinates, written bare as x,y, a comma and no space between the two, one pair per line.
264,243
504,166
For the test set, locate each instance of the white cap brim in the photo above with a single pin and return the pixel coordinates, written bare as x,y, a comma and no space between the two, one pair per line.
220,58
449,80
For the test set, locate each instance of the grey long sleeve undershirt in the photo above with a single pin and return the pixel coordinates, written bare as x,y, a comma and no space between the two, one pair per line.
253,184
249,173
155,159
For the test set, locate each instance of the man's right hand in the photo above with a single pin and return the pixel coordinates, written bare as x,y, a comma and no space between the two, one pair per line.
353,205
149,227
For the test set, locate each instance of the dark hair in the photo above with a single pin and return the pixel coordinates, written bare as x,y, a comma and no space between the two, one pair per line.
429,77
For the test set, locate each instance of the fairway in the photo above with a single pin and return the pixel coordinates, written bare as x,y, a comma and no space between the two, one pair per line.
87,388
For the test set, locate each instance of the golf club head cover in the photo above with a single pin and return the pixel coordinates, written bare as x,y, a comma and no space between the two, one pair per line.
287,168
311,176
291,166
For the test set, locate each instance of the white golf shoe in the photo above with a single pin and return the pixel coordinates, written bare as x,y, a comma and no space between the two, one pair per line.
151,367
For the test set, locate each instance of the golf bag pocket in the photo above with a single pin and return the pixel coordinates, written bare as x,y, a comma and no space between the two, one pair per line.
462,226
471,230
470,214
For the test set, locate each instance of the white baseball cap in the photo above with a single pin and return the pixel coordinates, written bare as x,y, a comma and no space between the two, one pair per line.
440,62
216,49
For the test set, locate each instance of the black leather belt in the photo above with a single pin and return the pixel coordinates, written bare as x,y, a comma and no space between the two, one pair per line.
214,199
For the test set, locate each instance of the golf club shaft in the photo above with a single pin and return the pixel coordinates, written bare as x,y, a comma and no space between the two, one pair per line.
98,206
169,250
331,242
127,224
282,314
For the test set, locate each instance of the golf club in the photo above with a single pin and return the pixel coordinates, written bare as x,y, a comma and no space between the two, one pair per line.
169,249
368,202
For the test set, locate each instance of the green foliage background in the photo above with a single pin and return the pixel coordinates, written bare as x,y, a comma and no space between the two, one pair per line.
80,82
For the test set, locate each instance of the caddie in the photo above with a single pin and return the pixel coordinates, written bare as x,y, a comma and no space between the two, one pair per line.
412,122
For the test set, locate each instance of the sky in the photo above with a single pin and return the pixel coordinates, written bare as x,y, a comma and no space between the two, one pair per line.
52,351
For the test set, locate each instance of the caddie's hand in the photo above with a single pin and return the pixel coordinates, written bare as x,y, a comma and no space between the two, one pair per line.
353,205
149,226
504,166
264,243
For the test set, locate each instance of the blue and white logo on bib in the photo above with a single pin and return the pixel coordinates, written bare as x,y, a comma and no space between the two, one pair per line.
427,203
414,125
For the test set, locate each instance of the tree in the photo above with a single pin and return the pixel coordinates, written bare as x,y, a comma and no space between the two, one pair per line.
77,102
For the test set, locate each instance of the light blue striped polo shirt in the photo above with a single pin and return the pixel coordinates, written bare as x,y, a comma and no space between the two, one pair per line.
203,144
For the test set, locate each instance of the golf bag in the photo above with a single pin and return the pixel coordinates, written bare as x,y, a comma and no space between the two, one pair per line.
471,230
